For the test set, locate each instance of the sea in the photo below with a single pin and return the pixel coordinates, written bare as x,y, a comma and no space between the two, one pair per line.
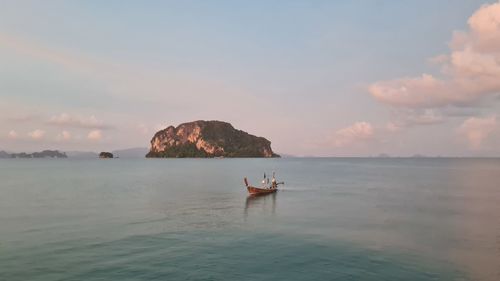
191,219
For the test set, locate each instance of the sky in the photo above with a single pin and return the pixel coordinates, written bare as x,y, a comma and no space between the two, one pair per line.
316,78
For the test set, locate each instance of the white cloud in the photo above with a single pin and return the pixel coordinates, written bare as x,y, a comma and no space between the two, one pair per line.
67,120
477,130
470,72
37,134
95,135
357,132
12,135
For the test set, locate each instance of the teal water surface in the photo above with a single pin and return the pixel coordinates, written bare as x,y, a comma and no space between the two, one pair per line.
191,219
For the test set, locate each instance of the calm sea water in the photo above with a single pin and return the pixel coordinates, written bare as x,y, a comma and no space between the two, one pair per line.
190,219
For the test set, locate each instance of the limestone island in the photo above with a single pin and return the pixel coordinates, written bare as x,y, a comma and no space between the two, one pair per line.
206,139
105,155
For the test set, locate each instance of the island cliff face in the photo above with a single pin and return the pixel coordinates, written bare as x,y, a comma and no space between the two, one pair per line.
208,139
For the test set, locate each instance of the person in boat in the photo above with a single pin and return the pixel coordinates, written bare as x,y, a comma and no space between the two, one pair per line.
265,182
274,184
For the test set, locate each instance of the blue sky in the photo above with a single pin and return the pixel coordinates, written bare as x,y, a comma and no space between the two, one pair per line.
311,76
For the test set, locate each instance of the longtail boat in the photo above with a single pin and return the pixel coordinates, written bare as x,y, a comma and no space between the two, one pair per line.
261,190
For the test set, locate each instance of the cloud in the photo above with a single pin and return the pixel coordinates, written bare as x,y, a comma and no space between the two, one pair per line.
95,135
356,133
37,134
64,136
477,130
406,118
67,120
470,72
12,135
427,117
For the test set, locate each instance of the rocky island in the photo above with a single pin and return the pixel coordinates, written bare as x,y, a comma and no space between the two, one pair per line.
204,139
106,155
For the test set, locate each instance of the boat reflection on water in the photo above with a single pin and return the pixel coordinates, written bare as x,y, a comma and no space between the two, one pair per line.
263,203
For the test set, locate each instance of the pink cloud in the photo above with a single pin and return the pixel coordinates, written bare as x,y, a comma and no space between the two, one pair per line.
470,72
64,136
67,120
485,32
12,135
477,130
357,132
37,134
95,135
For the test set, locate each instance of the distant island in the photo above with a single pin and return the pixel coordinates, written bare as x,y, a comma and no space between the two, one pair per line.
106,155
204,139
134,152
43,154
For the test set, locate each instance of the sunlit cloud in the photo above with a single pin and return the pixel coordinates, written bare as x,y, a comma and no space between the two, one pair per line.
470,72
356,133
477,130
37,134
67,120
64,136
95,135
12,135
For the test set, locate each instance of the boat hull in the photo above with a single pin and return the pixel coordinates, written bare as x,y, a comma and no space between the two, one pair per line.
258,191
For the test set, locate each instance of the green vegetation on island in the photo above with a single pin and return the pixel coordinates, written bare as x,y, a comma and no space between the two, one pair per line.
43,154
203,139
106,155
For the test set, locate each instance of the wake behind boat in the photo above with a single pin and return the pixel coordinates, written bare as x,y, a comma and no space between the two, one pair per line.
266,187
